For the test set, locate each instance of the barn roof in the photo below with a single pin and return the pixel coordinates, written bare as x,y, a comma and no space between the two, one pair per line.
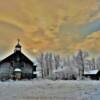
91,72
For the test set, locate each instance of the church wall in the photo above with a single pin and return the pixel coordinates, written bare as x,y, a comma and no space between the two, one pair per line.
27,71
27,68
5,70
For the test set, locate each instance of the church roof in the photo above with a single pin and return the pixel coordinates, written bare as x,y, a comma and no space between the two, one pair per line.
18,46
17,53
14,55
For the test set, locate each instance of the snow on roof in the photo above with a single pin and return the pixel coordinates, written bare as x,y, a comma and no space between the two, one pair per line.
90,72
18,70
36,72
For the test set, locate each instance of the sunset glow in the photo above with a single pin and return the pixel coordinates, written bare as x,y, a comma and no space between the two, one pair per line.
61,26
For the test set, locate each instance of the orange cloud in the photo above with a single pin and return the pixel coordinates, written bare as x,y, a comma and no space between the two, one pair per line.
91,43
46,25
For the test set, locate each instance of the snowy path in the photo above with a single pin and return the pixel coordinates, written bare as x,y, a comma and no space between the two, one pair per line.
50,90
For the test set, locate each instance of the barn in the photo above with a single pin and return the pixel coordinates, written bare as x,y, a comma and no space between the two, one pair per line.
17,66
92,74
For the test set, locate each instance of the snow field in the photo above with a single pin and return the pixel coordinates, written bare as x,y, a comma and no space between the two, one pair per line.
50,90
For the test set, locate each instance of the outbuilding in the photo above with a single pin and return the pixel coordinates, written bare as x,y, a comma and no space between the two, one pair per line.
92,74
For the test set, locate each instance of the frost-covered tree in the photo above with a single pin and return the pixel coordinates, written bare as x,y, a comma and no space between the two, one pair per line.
40,60
53,66
80,62
48,62
97,62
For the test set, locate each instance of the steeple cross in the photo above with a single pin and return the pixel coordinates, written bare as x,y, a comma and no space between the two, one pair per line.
18,40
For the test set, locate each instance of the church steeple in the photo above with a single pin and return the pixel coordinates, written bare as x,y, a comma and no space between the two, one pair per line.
18,46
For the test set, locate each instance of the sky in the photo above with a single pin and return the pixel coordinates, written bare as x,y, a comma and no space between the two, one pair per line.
61,26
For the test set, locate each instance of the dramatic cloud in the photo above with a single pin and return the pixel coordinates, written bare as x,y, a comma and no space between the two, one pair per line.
61,26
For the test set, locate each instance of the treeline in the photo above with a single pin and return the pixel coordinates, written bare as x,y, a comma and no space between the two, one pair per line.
53,66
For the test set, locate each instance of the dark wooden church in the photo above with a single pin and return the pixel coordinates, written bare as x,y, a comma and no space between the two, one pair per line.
17,66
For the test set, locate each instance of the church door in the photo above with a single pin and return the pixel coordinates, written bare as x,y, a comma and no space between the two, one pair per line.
17,74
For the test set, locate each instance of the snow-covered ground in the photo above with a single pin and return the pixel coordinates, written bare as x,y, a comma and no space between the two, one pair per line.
50,90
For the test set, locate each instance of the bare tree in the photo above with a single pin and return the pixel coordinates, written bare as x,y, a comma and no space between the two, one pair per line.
57,61
54,66
80,62
40,60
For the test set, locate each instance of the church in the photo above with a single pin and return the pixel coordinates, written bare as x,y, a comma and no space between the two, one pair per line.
17,66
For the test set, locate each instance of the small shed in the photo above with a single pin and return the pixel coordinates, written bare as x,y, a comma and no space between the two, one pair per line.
92,74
